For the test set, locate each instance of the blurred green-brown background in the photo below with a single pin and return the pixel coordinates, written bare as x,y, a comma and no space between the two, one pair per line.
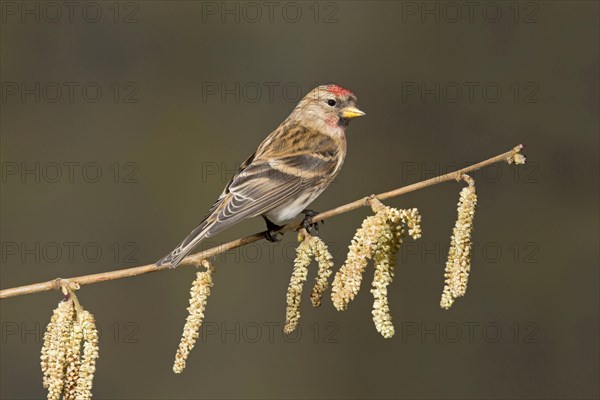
122,121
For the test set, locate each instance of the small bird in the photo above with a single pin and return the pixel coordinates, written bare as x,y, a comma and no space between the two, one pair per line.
289,170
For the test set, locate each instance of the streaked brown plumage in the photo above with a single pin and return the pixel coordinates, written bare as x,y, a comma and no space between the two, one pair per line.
290,168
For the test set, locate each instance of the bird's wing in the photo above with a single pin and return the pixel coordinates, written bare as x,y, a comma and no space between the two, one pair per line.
290,161
259,187
267,184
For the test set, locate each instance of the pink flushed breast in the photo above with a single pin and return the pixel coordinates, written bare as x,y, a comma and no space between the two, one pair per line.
338,90
333,123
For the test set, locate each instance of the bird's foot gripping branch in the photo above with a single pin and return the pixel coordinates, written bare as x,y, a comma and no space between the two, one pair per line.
68,367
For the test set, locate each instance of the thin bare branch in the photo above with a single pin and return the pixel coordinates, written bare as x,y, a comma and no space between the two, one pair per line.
196,258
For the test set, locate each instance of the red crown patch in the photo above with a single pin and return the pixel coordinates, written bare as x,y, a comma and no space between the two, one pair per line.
338,90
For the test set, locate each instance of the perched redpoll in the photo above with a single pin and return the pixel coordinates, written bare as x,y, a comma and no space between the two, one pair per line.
288,171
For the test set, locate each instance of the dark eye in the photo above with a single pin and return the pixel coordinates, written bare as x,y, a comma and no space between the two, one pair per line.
331,102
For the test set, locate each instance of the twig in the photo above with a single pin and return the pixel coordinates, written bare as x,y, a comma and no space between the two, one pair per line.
195,259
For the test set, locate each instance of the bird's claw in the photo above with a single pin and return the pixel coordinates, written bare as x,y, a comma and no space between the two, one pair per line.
310,226
272,231
271,236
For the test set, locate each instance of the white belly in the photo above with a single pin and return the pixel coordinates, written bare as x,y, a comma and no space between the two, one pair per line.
292,208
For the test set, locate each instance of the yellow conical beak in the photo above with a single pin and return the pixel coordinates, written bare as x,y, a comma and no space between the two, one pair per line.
352,112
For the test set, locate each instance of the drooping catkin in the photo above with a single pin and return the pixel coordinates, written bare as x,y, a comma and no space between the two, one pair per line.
65,372
83,389
198,298
46,362
324,260
54,357
346,283
385,262
379,238
73,362
309,247
458,264
363,247
294,292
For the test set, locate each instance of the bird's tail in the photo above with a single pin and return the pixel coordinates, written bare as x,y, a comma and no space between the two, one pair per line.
192,240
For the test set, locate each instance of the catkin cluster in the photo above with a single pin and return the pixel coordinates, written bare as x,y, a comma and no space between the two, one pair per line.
198,298
379,238
70,348
67,366
458,264
310,246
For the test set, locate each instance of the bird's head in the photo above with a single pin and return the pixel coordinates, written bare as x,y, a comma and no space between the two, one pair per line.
327,107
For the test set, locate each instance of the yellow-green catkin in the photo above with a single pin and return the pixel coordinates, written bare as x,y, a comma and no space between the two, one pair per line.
364,245
87,369
68,368
49,340
324,259
458,264
346,283
294,292
198,298
385,262
73,362
54,350
309,247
